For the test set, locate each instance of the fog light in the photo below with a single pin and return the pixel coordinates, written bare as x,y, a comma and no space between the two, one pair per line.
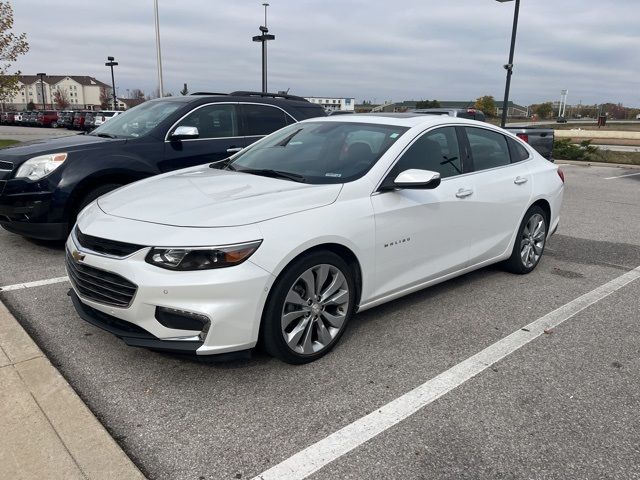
181,319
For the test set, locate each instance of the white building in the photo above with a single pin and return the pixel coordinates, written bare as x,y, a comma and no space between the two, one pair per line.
82,92
331,104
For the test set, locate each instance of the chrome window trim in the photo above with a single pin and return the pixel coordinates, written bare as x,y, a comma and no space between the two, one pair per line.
435,127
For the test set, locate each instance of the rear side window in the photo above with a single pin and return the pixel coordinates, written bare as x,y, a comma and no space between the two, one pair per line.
263,119
518,152
488,148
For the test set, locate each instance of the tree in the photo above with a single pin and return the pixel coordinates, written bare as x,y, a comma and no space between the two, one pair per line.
137,94
105,98
11,47
185,90
61,98
487,105
428,104
544,110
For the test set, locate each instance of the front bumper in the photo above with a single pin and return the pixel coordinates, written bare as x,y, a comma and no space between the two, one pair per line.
231,298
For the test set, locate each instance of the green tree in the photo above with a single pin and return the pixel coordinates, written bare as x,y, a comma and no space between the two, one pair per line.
31,105
105,98
11,47
428,104
543,110
487,105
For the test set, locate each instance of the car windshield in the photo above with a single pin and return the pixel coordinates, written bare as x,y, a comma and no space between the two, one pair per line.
319,152
138,121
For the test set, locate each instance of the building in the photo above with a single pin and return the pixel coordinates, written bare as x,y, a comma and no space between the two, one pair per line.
82,92
127,103
331,104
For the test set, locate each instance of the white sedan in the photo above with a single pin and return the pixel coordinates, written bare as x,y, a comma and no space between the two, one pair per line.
282,243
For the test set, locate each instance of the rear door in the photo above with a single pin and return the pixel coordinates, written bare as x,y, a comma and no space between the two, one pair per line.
502,187
259,120
219,137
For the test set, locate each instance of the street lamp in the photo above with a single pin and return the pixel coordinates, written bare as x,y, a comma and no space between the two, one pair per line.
42,88
158,52
264,38
509,66
112,64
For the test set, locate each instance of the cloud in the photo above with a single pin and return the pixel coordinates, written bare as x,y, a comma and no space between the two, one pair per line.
375,49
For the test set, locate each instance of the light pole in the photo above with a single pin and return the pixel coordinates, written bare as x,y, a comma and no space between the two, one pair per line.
264,38
41,75
509,66
158,52
112,64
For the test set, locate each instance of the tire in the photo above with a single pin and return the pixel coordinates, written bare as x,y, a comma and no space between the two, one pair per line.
528,244
90,197
315,325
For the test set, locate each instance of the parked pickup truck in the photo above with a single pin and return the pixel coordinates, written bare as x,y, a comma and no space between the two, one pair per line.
538,137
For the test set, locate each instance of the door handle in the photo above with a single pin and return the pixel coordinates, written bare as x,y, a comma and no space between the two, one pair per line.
233,149
464,192
520,180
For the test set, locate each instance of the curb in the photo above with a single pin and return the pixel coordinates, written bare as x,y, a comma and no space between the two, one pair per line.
46,430
585,163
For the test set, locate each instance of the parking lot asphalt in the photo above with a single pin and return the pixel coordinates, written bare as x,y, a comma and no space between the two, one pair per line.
566,405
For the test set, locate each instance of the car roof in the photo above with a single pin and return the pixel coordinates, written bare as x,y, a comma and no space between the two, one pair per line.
397,119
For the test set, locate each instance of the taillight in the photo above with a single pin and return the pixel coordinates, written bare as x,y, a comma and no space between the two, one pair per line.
523,136
561,175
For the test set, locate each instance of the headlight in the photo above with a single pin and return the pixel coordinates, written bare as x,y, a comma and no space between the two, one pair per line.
39,167
201,258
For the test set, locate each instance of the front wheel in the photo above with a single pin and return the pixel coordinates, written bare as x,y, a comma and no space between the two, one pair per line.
309,308
530,242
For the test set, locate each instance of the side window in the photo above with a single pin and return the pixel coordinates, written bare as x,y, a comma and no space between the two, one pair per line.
436,151
263,119
518,152
489,149
213,121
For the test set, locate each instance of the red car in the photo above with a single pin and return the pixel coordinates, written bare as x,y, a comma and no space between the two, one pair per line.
48,118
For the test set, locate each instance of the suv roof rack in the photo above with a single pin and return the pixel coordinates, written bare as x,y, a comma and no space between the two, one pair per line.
207,93
242,93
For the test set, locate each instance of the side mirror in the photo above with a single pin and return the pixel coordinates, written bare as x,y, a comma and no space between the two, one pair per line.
413,179
184,132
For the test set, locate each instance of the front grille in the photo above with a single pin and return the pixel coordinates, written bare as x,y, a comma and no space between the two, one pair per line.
105,246
6,165
99,285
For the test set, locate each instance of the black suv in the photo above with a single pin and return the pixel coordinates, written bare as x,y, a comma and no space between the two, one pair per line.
45,184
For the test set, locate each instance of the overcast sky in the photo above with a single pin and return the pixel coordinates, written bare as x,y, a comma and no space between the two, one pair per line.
367,49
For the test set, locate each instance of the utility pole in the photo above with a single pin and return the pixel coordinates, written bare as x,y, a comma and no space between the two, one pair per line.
44,102
263,38
158,52
112,64
509,66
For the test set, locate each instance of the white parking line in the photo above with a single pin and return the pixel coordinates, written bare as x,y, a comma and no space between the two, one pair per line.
316,456
621,176
38,283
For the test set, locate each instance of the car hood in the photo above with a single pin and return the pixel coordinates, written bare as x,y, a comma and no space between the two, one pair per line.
22,152
206,197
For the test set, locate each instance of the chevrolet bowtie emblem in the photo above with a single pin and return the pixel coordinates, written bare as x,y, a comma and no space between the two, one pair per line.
77,256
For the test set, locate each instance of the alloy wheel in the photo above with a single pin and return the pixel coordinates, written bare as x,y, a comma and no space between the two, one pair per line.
315,309
532,241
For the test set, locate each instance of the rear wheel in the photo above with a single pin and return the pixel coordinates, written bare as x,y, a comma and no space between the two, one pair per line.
530,242
310,306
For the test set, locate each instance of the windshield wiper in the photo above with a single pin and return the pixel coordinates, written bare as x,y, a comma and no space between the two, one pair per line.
267,172
222,164
103,135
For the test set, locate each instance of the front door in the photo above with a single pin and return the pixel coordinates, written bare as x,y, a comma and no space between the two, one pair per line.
422,234
218,127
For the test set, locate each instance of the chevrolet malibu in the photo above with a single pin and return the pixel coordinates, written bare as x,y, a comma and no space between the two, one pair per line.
282,243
